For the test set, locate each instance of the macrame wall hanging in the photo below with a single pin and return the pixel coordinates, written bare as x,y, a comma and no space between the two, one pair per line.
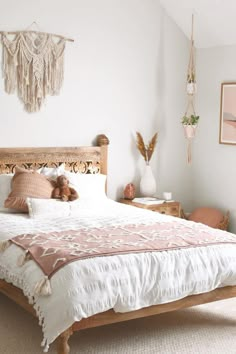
190,119
33,65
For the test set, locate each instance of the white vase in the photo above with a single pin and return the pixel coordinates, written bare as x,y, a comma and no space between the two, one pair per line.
147,183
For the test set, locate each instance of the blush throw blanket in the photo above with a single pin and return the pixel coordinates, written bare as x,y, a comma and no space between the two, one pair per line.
54,250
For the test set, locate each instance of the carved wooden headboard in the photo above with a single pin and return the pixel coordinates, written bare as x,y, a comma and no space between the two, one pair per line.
91,159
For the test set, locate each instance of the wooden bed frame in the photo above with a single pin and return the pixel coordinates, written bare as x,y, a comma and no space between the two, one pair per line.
87,160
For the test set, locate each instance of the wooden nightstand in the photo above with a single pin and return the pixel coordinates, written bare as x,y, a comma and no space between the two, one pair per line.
168,208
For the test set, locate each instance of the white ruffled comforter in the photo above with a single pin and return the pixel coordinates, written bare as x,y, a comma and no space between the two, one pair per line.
124,283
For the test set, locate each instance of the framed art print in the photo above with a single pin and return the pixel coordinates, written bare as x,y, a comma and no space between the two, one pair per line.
228,114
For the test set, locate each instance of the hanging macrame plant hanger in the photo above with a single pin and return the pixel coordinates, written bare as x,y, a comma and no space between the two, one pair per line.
190,129
190,119
191,74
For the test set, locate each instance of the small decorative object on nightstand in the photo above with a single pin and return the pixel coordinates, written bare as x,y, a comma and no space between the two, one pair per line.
148,182
168,208
167,196
129,191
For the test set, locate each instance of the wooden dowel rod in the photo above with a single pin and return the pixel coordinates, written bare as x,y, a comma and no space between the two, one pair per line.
52,34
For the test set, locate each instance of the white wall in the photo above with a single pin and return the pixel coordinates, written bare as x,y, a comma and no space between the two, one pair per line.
173,173
124,73
214,166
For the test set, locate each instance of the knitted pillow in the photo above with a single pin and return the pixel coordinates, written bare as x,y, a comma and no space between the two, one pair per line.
208,216
25,184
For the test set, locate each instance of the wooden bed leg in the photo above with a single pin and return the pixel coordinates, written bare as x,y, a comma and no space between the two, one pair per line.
62,342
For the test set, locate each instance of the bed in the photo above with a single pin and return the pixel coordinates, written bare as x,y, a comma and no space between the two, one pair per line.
93,160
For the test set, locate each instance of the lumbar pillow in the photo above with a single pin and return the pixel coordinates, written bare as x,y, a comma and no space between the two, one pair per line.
45,208
52,208
25,184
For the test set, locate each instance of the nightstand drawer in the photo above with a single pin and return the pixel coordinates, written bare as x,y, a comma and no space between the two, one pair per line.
169,210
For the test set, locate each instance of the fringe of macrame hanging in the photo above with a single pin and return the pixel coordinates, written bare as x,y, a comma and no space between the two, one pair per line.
189,152
33,71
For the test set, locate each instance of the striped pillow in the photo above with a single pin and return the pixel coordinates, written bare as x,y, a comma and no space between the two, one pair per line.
26,184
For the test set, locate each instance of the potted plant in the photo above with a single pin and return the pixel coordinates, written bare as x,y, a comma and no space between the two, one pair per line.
190,124
147,182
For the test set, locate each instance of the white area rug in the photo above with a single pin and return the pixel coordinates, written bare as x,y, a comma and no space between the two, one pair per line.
206,329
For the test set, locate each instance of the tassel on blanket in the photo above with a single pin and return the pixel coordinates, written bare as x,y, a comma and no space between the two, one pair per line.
23,258
43,287
4,245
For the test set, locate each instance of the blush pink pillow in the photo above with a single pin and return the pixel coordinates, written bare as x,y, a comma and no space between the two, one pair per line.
208,216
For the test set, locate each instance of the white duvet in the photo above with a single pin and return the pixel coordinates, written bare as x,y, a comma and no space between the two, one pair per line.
124,283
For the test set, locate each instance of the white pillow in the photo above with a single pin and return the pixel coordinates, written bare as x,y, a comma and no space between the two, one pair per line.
45,208
5,189
52,172
88,186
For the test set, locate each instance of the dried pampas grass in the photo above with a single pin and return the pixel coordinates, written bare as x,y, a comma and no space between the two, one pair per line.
146,150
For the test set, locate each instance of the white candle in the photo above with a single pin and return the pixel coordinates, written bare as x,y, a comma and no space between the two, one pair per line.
167,195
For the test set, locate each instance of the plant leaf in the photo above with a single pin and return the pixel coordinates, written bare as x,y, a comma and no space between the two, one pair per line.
141,146
151,146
